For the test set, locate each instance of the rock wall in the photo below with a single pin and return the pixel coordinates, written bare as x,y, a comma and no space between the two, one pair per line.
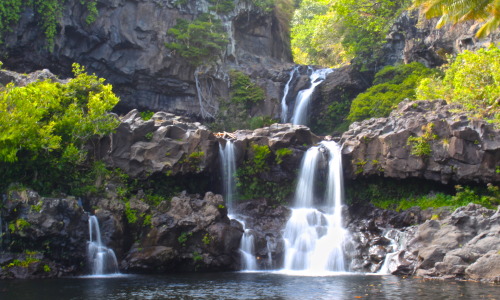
461,149
125,45
416,38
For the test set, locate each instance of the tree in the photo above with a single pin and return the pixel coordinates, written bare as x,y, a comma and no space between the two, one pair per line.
456,11
45,127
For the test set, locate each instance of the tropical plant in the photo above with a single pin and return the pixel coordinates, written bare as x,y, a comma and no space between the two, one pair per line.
456,11
472,79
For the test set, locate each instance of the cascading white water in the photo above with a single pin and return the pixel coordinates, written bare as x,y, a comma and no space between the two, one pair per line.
303,97
284,106
314,239
247,249
227,155
101,259
398,240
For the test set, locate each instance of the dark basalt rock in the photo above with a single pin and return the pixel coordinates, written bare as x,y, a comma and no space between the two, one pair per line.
266,223
126,45
188,234
463,150
47,236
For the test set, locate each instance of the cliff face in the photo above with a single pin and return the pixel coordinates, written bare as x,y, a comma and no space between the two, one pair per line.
126,45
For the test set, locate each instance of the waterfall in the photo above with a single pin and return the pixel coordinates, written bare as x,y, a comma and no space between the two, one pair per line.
227,155
303,97
398,240
228,165
284,106
101,259
247,249
314,239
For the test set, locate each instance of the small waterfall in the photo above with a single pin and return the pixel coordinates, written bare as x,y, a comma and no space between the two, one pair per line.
314,239
398,240
101,259
247,249
303,97
284,106
227,155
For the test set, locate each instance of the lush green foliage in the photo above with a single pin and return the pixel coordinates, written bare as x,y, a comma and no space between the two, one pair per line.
330,32
396,195
48,14
489,198
45,126
391,85
473,80
456,11
199,41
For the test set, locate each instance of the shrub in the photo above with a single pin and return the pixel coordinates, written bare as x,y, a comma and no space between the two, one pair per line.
199,41
472,79
391,85
45,127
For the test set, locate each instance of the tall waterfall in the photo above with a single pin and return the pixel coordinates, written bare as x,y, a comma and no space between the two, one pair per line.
227,155
101,259
228,165
303,97
314,239
284,106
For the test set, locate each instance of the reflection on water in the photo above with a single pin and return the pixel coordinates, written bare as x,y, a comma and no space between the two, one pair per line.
245,286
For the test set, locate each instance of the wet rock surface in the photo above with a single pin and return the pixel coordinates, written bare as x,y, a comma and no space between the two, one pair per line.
266,224
461,149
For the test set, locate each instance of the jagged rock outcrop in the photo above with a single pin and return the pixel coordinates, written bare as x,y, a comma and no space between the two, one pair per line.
460,149
17,79
43,237
126,46
173,146
164,144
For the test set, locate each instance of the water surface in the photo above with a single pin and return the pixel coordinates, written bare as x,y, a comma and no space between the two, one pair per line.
239,285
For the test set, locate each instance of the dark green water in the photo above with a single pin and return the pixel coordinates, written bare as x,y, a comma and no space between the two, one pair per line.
245,286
